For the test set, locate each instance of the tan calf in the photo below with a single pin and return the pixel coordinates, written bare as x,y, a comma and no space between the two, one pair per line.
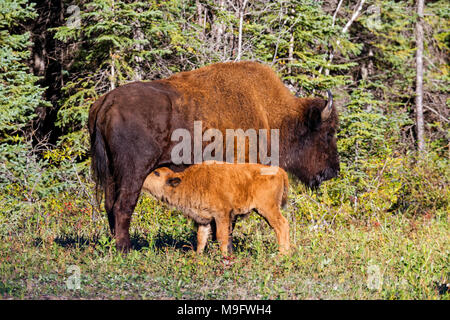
221,192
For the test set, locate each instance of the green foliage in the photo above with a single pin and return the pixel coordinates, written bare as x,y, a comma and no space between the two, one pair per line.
391,37
366,129
305,23
119,41
20,96
362,127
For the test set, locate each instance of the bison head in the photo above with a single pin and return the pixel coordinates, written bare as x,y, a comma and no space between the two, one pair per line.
312,154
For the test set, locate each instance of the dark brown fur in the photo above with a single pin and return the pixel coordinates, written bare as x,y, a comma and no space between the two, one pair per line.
131,127
221,192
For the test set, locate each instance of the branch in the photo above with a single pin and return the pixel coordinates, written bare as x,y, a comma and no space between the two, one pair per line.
354,16
434,111
345,29
335,13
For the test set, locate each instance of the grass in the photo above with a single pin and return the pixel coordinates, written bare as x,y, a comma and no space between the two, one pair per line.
394,257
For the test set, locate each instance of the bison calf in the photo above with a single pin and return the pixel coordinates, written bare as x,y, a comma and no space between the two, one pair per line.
222,191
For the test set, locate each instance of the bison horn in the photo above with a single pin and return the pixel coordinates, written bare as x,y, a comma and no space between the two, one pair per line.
328,108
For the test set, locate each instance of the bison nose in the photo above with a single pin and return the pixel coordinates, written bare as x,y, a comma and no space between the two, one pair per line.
335,172
332,172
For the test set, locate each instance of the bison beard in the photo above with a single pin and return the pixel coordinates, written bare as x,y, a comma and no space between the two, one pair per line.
131,126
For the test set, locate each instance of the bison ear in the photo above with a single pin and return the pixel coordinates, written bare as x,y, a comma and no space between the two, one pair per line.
173,182
313,117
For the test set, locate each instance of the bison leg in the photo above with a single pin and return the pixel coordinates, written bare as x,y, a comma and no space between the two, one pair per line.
203,232
109,204
281,226
135,155
123,209
128,186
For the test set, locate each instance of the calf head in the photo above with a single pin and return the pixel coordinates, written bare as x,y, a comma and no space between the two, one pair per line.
159,180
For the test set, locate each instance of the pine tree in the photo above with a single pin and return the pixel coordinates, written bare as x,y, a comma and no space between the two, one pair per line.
291,36
109,53
19,93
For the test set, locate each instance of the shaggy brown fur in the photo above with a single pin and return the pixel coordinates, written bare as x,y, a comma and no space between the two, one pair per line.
131,128
221,192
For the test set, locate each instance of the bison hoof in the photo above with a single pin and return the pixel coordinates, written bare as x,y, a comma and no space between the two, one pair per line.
123,246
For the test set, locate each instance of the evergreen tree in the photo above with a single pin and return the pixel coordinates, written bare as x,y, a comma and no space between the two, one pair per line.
117,42
20,96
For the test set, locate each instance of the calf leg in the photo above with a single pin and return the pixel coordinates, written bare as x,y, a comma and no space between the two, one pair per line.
203,232
230,238
279,223
223,233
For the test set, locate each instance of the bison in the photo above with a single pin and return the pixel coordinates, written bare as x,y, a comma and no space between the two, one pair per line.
130,128
219,193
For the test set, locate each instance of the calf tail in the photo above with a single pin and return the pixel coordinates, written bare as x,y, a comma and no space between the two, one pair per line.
284,197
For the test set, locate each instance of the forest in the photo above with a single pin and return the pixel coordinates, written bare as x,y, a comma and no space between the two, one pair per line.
380,230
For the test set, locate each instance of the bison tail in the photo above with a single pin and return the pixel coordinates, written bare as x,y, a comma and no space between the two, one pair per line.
99,164
284,197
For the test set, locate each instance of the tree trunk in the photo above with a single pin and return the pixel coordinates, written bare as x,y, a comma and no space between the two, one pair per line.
291,53
139,36
112,79
241,20
419,78
218,27
201,18
112,72
44,64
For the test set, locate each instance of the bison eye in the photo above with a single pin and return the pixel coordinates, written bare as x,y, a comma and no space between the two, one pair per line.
157,173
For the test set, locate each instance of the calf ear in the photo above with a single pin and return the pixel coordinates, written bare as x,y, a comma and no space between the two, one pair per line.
173,182
313,117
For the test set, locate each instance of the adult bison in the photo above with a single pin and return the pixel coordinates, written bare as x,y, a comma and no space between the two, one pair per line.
131,127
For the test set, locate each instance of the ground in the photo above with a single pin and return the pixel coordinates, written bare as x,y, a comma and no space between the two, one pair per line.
66,253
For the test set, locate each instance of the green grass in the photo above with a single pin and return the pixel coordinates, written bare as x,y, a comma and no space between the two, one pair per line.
394,257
